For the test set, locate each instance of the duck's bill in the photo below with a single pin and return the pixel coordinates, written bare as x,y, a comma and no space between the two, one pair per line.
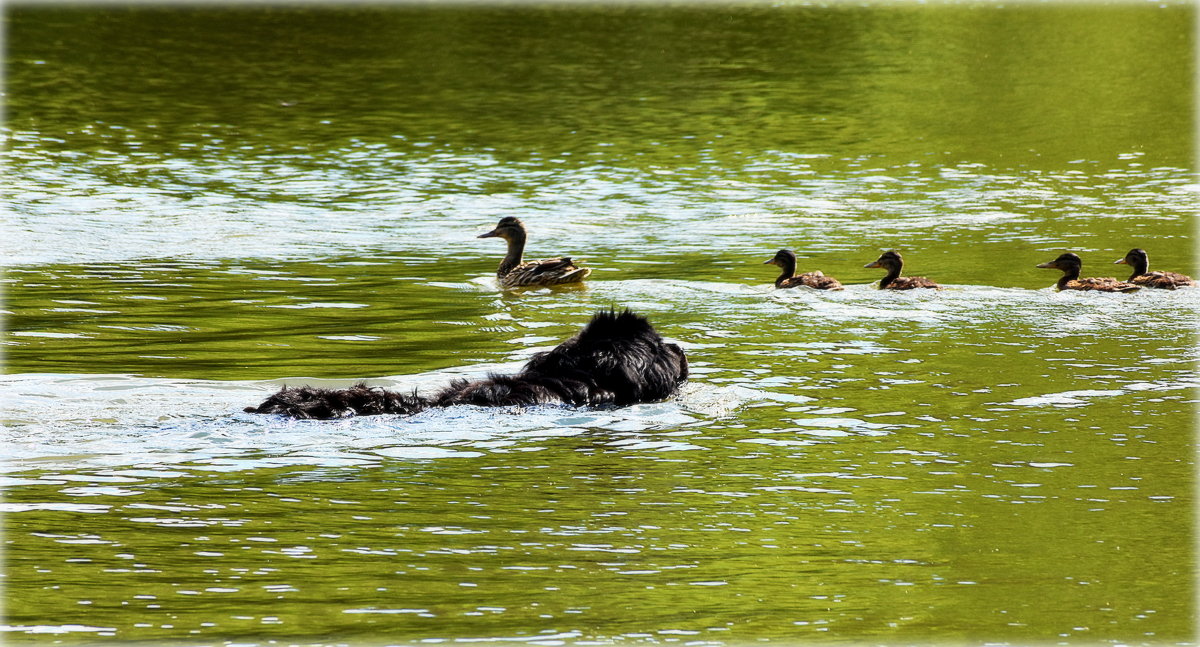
1047,265
1121,262
873,264
490,234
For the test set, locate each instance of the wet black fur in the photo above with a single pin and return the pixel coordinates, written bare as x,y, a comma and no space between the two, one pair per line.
617,359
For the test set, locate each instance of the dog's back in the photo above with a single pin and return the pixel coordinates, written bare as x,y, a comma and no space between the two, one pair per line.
617,359
315,403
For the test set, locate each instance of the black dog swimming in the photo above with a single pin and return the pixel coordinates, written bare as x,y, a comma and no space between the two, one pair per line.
617,360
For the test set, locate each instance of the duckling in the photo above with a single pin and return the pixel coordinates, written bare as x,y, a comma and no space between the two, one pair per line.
1140,261
1071,265
514,273
892,261
786,260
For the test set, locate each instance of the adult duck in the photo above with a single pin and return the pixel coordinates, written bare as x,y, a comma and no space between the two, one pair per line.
1071,266
893,263
515,272
785,259
1140,261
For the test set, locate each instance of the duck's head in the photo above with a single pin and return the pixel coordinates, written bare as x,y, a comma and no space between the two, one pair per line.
783,258
1065,262
1135,257
508,228
889,259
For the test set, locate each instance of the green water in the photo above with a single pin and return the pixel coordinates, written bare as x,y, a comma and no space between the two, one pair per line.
203,203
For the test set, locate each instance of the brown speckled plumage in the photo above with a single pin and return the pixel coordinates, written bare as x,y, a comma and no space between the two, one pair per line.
893,263
1071,265
786,260
1142,276
515,272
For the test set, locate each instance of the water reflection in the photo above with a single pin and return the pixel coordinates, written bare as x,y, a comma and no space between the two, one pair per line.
751,356
625,219
206,203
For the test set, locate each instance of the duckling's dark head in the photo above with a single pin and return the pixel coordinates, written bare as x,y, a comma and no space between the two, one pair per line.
888,259
783,258
1065,262
1135,257
508,228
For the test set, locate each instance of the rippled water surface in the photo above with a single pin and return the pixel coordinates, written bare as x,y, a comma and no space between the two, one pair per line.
205,203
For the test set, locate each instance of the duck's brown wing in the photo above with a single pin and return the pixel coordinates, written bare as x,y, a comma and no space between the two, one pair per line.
551,271
912,282
818,280
1163,280
1101,284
